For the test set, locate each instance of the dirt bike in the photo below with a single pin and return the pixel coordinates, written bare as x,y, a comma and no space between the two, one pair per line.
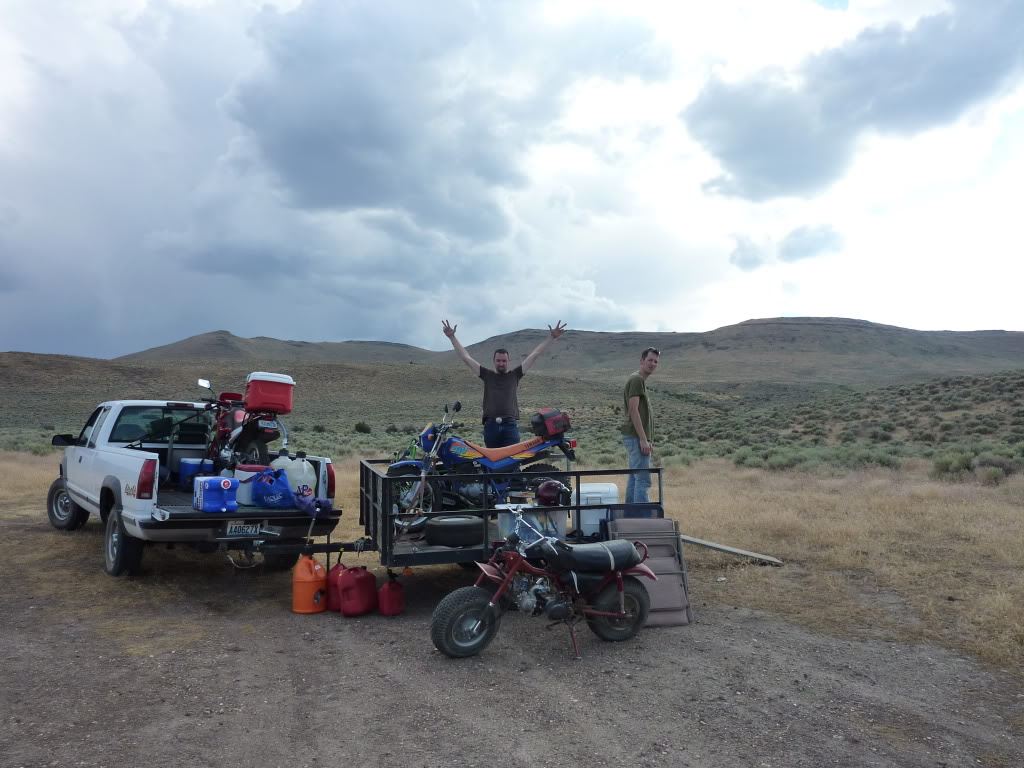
543,576
240,435
438,452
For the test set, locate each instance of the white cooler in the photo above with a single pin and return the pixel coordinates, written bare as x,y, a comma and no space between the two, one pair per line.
589,520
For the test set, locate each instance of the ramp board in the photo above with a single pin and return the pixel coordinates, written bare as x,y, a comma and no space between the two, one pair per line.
670,602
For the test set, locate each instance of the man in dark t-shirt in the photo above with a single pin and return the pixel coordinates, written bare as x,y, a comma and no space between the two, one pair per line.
501,406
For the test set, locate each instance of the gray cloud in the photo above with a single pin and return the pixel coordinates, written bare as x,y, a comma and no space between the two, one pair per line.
774,137
408,106
747,255
809,242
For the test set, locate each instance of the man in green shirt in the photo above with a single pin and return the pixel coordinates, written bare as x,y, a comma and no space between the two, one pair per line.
638,430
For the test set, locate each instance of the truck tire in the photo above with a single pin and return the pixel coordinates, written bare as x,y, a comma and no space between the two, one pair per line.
121,553
64,514
455,531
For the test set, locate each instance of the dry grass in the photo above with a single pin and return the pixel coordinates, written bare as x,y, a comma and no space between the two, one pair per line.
879,553
870,552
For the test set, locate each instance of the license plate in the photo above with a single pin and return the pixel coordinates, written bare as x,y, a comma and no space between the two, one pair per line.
243,529
268,423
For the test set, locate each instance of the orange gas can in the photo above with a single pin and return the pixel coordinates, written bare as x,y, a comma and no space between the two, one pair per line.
309,586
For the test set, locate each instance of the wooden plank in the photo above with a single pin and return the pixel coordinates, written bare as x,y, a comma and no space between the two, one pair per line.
732,550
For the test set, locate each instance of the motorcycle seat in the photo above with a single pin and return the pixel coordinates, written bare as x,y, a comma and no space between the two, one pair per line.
497,454
616,555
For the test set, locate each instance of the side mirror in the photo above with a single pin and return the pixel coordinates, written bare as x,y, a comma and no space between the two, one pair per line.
458,406
63,441
204,383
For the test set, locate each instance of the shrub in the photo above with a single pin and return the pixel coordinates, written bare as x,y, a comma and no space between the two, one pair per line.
951,465
990,475
319,428
363,428
990,461
391,429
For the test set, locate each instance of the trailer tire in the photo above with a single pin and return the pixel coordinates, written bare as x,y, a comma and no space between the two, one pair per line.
455,531
63,513
274,562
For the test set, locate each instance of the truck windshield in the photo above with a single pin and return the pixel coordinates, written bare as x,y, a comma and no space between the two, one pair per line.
153,423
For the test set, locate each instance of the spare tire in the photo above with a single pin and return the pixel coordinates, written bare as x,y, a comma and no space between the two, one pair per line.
455,530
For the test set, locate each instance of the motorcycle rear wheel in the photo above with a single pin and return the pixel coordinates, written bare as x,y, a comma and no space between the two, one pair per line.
637,603
253,452
452,625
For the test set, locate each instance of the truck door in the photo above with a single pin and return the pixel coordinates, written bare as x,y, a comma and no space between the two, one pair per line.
79,460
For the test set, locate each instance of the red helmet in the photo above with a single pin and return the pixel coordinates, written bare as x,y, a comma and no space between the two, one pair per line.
552,493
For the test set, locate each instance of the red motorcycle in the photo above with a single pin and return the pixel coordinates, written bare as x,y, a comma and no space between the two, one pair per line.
541,575
243,425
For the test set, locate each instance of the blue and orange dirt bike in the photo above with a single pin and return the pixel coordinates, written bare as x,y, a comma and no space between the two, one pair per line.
495,472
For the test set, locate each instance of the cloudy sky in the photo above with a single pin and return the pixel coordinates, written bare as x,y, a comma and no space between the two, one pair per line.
344,169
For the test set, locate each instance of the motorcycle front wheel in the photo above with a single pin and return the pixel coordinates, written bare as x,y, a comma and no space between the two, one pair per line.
461,625
637,604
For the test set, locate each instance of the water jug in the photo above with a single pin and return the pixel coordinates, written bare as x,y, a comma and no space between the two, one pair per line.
215,494
334,587
302,476
392,597
283,461
358,591
309,586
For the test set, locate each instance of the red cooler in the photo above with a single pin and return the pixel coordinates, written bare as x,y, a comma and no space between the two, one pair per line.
269,392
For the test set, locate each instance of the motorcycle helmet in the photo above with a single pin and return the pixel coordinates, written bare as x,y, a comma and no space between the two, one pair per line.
552,493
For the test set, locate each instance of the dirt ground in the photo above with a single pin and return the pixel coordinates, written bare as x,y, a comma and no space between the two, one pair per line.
195,663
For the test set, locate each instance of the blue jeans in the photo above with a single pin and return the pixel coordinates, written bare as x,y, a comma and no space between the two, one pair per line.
499,435
639,482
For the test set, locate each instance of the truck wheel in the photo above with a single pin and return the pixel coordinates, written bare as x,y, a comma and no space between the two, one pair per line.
275,562
253,452
63,513
455,530
121,553
453,627
638,605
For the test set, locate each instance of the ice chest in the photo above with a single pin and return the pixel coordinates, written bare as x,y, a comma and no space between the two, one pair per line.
188,468
588,521
215,494
269,392
548,522
242,473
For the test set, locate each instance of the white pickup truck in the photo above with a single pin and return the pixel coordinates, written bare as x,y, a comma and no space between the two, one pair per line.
121,467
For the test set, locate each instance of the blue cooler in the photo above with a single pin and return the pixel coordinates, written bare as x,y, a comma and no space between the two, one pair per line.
188,469
215,494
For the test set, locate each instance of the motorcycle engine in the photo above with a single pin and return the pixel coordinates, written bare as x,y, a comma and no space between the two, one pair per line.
531,600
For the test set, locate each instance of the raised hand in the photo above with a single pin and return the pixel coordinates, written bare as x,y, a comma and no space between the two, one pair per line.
449,330
558,330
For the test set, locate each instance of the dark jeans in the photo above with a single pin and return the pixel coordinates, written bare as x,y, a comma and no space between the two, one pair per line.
499,435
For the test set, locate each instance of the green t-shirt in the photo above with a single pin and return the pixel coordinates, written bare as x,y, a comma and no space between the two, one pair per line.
637,387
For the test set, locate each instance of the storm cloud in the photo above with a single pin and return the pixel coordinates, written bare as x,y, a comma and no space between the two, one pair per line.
776,135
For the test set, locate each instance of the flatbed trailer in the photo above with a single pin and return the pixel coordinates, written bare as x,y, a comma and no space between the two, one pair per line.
378,505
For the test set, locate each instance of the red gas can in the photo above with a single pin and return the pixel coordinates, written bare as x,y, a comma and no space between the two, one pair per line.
334,586
392,597
358,591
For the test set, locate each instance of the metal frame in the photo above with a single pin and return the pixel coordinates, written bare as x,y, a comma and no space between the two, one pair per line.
377,498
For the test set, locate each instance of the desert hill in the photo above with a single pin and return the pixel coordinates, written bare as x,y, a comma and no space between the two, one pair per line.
833,351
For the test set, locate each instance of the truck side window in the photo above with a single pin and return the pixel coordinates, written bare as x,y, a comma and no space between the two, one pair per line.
97,426
84,435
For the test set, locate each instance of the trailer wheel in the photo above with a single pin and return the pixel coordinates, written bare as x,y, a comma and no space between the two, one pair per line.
121,553
64,514
455,530
276,562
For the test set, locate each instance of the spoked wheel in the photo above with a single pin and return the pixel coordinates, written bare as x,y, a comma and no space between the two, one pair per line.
63,513
461,625
637,605
253,452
